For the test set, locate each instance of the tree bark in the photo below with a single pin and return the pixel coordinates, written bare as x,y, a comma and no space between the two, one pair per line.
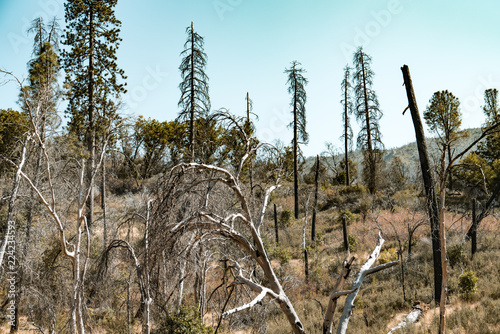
276,226
332,302
346,134
432,205
371,159
91,129
103,204
192,119
295,158
364,271
474,229
315,204
344,232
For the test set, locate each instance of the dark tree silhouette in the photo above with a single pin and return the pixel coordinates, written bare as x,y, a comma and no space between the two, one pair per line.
347,104
368,113
194,101
296,87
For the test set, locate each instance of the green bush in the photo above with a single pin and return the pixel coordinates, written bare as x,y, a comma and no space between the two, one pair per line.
187,321
467,283
354,189
456,255
353,242
284,255
349,216
285,219
388,255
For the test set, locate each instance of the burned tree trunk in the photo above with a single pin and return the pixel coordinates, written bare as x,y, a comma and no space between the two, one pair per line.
474,229
276,225
432,204
315,205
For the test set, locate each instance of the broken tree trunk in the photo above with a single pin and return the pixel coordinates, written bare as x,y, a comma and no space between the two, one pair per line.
432,205
417,310
332,302
364,271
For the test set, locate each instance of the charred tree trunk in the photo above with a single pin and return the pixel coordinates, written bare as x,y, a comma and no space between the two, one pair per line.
474,230
276,226
295,161
485,210
371,157
346,134
344,232
432,204
315,204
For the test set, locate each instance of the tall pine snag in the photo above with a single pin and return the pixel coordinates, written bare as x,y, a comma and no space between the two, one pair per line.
92,74
347,104
368,113
194,101
296,87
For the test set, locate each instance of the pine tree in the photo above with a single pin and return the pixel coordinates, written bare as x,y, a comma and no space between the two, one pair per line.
92,74
368,113
296,88
194,100
347,104
444,118
490,148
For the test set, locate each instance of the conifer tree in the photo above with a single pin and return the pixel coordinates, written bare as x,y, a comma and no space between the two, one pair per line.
347,104
368,113
194,101
296,87
93,78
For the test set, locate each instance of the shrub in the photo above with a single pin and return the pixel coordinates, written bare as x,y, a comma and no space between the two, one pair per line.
280,253
354,189
285,219
350,217
468,284
388,255
353,242
187,321
456,255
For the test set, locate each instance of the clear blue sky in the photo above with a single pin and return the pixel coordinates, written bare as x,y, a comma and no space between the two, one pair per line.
448,44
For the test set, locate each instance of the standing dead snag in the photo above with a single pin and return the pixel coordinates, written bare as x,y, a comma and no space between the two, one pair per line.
432,205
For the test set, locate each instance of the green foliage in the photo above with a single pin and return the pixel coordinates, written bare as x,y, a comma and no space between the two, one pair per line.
285,219
13,126
456,255
443,115
187,321
358,189
92,90
468,284
388,255
350,217
353,242
283,254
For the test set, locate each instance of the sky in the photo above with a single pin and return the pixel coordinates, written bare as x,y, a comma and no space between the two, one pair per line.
447,44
